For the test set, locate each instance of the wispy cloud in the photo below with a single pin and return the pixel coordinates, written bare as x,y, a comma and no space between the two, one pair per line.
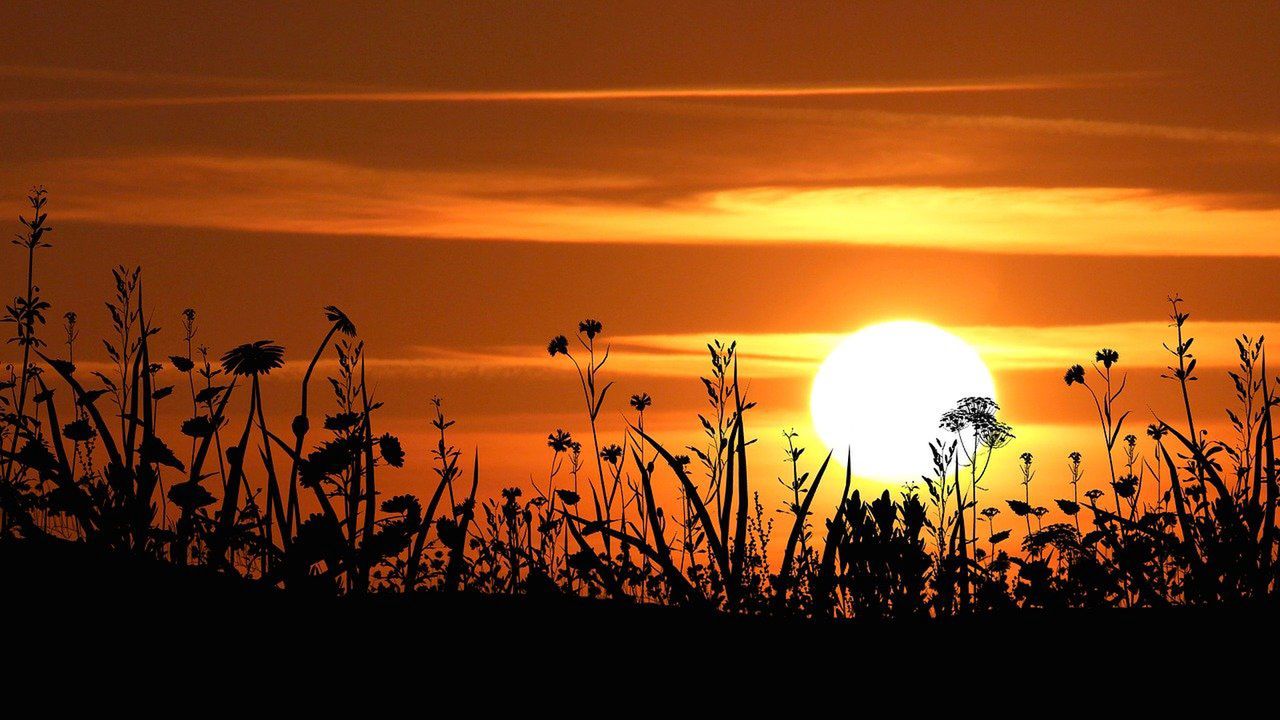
844,117
792,355
1002,347
567,95
1076,126
322,197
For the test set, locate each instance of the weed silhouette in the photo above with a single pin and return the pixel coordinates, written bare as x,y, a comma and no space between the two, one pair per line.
1191,520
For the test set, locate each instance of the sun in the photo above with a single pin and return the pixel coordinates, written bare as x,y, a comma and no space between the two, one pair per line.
882,390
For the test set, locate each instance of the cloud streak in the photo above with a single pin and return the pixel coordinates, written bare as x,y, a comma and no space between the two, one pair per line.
526,95
797,355
899,121
323,197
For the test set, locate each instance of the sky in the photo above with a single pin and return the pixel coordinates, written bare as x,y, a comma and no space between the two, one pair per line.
468,180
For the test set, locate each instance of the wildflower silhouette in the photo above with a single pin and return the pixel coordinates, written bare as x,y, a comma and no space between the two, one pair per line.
612,454
253,359
1193,518
560,441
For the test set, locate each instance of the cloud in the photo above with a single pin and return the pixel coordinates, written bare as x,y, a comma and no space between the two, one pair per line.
797,355
324,197
1076,126
844,118
501,96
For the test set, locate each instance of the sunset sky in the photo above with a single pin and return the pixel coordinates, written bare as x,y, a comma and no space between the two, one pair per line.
468,181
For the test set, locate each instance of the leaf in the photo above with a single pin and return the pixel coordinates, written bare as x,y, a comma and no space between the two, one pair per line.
88,397
198,427
1019,508
341,421
102,376
600,401
210,393
62,367
1090,538
154,450
706,424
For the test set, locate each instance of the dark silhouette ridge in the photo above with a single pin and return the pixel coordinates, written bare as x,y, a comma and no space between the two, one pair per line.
100,497
122,612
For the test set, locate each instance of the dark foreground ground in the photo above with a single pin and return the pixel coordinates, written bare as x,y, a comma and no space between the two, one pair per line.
71,609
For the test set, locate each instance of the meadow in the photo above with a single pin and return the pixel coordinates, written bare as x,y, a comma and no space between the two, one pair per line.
88,458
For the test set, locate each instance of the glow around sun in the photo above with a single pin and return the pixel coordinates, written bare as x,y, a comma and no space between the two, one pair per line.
882,390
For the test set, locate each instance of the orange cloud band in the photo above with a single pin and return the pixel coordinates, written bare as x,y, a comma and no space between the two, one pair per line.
793,355
321,197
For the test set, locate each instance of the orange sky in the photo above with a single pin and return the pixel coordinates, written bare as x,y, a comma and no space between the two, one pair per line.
468,181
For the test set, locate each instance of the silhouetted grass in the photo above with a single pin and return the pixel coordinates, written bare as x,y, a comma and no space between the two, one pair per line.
90,458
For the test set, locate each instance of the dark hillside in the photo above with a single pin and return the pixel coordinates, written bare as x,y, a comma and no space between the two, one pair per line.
117,607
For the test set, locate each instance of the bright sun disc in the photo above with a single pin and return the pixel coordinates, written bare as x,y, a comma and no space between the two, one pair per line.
883,389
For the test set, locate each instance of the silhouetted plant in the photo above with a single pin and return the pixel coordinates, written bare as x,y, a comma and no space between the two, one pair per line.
1191,519
26,313
978,435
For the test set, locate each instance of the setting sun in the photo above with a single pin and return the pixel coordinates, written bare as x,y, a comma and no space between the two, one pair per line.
880,393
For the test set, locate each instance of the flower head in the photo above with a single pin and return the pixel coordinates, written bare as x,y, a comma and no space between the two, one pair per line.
1126,486
255,358
559,345
1075,374
978,413
79,431
611,454
641,402
340,320
560,440
591,328
389,447
1107,357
